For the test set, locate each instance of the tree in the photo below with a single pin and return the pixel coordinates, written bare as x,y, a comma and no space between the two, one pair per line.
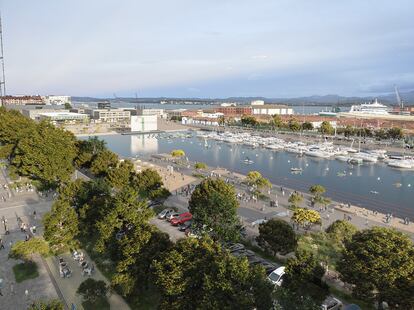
67,106
53,304
200,166
276,121
305,217
307,126
198,273
104,162
177,153
91,290
61,226
277,236
295,199
121,175
294,125
395,133
379,262
46,155
326,128
317,191
88,149
25,250
303,275
247,120
254,178
341,231
149,184
287,299
123,232
213,205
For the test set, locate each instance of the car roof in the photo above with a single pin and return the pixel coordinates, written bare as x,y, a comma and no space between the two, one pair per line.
185,214
279,270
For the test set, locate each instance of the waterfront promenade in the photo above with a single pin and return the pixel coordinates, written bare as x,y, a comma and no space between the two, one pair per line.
253,210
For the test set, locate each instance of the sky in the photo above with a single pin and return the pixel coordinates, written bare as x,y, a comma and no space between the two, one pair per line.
208,48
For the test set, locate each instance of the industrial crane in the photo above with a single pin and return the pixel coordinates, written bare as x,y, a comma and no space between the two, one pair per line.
399,101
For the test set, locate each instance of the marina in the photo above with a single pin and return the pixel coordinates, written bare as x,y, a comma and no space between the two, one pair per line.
350,175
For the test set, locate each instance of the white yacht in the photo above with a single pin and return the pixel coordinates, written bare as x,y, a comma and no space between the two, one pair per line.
374,108
372,158
318,153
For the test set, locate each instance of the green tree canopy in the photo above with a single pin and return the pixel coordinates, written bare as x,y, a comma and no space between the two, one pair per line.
149,184
213,205
88,149
24,250
303,275
277,236
177,153
104,162
295,199
92,290
248,120
53,304
306,217
307,126
294,125
379,262
395,133
46,155
317,192
198,273
341,231
276,121
326,128
255,178
121,175
200,166
61,226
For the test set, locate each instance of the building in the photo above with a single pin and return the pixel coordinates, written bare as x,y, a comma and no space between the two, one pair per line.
143,123
21,100
57,100
35,113
234,111
64,117
175,113
104,105
118,116
144,111
271,109
257,102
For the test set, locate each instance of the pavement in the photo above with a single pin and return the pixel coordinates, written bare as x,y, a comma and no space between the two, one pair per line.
251,211
49,284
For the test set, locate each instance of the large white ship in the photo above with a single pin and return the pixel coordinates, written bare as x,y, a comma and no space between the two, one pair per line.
374,108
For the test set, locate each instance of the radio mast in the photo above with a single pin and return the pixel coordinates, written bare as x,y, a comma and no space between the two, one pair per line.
2,73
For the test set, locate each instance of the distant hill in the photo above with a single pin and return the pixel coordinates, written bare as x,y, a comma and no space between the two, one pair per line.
390,99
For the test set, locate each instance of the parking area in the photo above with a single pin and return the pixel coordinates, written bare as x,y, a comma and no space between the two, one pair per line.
166,227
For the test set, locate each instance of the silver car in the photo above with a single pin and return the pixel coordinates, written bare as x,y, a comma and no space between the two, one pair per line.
164,213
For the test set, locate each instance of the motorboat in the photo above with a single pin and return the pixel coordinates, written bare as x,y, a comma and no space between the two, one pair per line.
372,158
248,161
401,163
318,153
345,158
296,169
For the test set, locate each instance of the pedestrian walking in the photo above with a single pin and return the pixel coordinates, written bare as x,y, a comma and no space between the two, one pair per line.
1,244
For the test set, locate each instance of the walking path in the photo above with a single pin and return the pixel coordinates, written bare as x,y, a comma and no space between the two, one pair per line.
251,210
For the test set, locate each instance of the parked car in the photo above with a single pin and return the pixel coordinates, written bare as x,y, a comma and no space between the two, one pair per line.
268,267
331,303
236,247
164,213
183,217
276,276
185,225
172,215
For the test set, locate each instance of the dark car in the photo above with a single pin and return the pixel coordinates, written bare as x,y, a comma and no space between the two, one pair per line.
185,225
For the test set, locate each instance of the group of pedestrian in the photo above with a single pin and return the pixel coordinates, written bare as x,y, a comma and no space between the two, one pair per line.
388,218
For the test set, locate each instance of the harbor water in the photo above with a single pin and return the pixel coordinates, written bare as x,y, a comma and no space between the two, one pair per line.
373,186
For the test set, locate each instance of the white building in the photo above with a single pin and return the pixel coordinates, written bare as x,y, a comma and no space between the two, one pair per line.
257,102
109,115
206,121
64,117
144,111
59,100
271,109
142,123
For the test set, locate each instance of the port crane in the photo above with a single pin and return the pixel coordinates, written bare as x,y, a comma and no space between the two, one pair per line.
399,100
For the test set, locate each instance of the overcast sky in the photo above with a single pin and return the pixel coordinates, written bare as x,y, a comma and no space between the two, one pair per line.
208,48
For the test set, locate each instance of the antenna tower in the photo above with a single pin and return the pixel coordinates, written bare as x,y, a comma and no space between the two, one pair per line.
2,73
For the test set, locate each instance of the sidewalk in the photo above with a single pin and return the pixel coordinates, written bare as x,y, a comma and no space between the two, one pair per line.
68,286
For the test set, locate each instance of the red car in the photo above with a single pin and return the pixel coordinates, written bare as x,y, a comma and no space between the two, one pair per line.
183,217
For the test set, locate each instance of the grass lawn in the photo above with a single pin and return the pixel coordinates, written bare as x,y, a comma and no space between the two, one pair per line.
25,271
101,304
